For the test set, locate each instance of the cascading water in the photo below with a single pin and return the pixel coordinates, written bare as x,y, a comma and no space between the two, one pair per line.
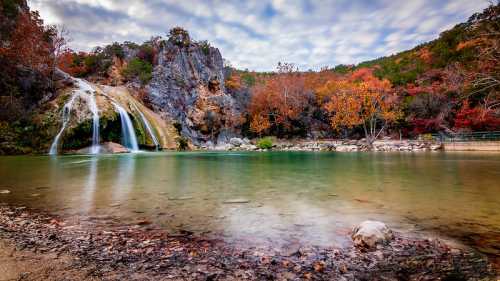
129,139
95,124
148,127
65,118
83,90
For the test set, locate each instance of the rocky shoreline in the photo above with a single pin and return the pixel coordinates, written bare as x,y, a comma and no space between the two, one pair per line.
238,144
142,251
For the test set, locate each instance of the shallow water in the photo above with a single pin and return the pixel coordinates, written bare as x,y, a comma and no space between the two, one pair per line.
293,197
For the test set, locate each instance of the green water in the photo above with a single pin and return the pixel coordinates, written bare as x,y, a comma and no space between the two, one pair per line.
312,198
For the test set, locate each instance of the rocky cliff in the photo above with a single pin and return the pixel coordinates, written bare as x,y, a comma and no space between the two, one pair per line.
188,86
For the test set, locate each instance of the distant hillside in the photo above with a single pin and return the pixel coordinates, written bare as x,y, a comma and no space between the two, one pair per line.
457,45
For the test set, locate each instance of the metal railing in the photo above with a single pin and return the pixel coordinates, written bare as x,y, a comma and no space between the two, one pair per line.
464,137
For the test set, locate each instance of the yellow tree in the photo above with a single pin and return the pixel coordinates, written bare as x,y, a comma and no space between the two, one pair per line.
361,99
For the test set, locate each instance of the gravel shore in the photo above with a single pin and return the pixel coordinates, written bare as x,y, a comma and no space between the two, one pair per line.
38,246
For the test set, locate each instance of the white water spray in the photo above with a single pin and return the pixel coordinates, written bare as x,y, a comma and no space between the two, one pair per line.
95,124
129,139
65,118
148,127
83,90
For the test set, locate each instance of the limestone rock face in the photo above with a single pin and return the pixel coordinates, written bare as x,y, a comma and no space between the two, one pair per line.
370,233
188,86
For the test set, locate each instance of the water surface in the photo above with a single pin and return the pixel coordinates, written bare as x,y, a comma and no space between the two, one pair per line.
293,197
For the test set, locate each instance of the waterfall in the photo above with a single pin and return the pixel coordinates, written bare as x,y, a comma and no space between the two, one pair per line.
65,118
148,126
95,124
129,139
83,89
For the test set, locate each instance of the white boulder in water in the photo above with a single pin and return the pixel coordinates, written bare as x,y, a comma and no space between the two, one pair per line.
370,233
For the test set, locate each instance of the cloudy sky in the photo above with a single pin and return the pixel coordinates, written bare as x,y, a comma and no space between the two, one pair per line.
258,34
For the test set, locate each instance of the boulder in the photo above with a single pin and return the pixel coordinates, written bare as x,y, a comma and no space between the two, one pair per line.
112,147
435,147
368,234
248,147
236,142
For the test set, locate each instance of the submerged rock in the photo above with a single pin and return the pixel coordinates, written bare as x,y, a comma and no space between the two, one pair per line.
370,233
5,191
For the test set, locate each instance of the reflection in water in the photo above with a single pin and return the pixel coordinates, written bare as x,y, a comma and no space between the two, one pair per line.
308,197
88,198
124,179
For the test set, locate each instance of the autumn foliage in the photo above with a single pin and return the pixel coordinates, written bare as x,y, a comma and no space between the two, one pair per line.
278,101
476,119
361,99
73,63
30,43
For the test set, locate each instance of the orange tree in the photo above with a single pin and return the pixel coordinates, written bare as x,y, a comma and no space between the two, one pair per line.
278,100
361,99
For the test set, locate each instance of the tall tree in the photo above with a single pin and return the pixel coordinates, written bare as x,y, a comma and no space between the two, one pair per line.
363,100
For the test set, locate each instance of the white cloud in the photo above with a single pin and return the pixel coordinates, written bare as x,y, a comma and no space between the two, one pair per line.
257,34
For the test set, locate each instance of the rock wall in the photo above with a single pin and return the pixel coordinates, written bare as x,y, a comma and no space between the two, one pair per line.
188,86
331,145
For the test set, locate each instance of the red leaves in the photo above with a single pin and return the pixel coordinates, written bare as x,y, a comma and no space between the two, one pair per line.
476,119
30,43
278,100
72,63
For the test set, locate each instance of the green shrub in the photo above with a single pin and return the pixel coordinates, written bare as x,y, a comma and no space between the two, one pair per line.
426,137
140,69
205,47
265,143
248,79
114,50
179,36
